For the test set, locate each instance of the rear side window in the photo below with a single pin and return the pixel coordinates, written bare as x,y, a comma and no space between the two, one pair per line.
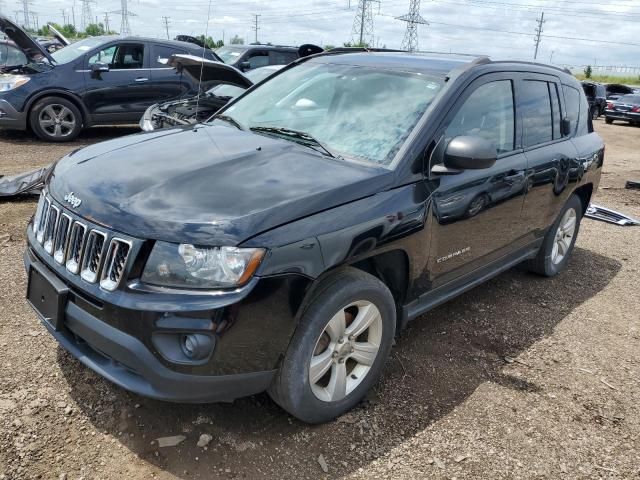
160,55
555,110
487,113
537,114
572,105
281,58
258,59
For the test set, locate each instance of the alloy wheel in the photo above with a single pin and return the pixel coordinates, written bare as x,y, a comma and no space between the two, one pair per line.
57,120
564,236
345,351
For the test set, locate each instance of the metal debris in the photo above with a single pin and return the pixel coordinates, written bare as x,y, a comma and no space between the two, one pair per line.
597,212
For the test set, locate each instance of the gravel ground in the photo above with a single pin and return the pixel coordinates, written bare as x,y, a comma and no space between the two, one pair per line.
523,377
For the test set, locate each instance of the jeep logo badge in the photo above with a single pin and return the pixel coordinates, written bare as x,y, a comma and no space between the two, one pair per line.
72,200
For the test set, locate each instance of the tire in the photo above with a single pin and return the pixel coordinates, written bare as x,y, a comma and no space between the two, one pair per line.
478,204
55,119
549,261
318,336
608,121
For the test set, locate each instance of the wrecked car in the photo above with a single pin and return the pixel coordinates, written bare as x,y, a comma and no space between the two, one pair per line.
283,244
199,108
95,81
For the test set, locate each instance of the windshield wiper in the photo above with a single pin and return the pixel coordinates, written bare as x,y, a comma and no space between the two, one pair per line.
307,139
228,119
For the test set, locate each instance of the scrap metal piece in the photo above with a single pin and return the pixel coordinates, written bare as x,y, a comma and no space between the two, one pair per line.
632,185
27,183
597,212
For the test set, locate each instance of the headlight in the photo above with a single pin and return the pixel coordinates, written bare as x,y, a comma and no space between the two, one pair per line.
188,266
11,82
145,122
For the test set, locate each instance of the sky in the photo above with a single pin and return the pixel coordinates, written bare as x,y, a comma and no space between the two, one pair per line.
575,32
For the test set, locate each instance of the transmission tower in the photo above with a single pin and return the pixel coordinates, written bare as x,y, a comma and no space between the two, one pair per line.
413,19
124,11
538,34
87,16
26,15
107,28
362,30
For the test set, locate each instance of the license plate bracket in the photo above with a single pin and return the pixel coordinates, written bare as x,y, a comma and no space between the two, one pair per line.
47,295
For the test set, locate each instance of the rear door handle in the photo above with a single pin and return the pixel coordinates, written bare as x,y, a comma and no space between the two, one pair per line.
142,79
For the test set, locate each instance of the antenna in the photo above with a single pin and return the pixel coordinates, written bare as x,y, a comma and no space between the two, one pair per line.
206,34
362,30
413,19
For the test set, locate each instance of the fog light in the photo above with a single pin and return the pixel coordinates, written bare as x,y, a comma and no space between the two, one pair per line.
196,346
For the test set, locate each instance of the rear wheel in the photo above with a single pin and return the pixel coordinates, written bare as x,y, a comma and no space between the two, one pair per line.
339,348
55,119
559,241
608,121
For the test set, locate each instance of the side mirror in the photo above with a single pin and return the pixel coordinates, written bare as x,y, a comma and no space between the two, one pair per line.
98,68
244,66
469,153
566,127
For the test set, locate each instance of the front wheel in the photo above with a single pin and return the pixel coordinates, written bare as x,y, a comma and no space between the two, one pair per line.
559,241
55,119
339,348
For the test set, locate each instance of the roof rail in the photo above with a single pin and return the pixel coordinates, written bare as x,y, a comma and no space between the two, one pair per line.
538,64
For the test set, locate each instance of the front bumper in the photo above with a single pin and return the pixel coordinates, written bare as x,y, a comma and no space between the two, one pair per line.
10,117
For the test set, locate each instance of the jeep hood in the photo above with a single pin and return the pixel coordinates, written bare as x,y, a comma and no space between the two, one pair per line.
32,49
211,71
209,185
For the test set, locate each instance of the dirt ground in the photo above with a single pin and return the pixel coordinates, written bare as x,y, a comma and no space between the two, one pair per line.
523,377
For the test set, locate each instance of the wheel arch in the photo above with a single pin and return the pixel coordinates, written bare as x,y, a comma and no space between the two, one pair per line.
584,193
73,98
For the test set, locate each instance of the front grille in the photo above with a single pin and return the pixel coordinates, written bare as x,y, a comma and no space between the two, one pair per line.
92,253
115,263
94,250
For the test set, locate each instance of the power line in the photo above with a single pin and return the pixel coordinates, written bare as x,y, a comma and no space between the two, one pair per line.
540,21
362,30
166,25
255,26
413,19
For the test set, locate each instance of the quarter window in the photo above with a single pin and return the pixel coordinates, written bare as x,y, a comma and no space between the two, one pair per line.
555,110
572,105
536,113
259,59
487,113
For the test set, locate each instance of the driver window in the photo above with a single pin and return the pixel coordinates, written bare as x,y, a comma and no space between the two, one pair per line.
120,57
259,59
487,113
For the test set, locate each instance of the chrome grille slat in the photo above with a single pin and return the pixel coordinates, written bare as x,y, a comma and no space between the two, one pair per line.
76,245
115,264
62,236
93,253
44,217
50,229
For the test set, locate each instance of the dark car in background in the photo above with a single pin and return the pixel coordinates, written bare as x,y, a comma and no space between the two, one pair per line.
248,57
202,106
616,90
282,245
97,80
10,55
625,108
596,96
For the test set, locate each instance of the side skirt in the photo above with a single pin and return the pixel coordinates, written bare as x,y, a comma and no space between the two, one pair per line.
444,293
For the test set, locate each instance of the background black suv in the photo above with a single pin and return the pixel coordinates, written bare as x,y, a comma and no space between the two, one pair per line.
248,57
597,97
283,245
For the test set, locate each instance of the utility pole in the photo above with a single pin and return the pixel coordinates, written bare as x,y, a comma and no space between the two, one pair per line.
34,19
538,34
166,25
255,26
73,14
64,17
413,19
17,14
362,30
106,22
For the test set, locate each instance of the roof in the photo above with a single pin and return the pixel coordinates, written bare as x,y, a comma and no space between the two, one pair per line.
159,41
261,46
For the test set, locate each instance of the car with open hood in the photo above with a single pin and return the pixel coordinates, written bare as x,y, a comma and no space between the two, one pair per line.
96,81
229,81
283,244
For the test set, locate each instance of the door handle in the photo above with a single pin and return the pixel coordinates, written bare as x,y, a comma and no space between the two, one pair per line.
142,79
513,178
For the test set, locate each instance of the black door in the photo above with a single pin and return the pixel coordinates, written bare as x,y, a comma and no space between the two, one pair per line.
477,213
165,82
551,156
122,93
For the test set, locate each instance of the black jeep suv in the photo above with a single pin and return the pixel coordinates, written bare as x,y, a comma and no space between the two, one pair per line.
284,243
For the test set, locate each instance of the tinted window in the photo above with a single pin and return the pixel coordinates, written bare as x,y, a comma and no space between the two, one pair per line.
282,58
160,55
120,57
258,59
11,56
629,99
536,113
555,109
572,105
230,54
487,113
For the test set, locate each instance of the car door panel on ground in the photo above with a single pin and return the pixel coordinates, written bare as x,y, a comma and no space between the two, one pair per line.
122,93
551,155
477,212
166,83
